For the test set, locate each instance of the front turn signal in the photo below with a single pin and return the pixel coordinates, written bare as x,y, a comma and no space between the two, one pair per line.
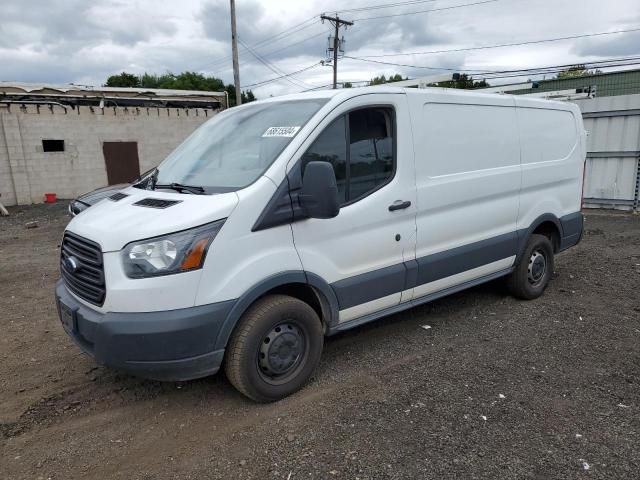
195,257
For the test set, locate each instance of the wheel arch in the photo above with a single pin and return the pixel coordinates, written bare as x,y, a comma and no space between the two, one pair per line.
547,224
305,286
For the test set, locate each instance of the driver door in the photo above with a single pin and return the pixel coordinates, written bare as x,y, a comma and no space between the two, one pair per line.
361,252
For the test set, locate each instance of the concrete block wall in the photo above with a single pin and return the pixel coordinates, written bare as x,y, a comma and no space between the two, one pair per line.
27,172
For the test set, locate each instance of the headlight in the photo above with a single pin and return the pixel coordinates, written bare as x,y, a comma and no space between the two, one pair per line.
173,253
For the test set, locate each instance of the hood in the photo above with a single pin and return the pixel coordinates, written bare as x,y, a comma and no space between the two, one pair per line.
113,224
95,196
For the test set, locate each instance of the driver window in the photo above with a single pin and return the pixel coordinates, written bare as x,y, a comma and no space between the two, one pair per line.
359,145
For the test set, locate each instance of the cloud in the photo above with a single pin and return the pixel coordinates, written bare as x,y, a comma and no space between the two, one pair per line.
252,21
616,46
79,41
62,27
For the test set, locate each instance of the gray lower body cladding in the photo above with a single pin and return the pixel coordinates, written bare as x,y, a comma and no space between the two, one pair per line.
572,228
172,345
403,276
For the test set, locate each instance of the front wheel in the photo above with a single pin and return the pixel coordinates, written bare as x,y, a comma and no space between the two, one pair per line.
275,348
534,269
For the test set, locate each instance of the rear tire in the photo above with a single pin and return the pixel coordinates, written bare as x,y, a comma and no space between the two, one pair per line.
274,349
534,269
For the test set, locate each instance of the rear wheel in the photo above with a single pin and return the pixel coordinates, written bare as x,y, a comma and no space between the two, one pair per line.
275,348
534,269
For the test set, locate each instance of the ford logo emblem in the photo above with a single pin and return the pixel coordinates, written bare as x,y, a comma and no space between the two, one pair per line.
71,264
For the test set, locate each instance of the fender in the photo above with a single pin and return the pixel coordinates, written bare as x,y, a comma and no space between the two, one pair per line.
327,298
525,233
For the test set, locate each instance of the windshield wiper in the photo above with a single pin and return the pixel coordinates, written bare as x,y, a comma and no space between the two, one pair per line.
179,187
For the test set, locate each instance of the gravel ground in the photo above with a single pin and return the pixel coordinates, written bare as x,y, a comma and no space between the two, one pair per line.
496,388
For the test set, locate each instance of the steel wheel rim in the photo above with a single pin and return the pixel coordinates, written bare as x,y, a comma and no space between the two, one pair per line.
281,353
537,267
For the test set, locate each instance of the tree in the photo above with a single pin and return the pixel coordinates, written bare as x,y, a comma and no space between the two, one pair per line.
577,71
182,81
246,96
123,79
464,82
347,85
382,79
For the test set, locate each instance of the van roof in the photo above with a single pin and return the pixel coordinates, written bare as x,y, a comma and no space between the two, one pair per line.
345,93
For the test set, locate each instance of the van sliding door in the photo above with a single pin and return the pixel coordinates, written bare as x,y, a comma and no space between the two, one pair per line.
468,187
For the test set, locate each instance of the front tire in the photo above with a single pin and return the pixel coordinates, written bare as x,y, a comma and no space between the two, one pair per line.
534,269
274,349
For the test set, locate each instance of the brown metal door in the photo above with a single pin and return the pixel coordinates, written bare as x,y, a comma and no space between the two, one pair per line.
121,159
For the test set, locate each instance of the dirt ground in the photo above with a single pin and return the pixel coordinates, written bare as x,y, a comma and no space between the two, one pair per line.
496,388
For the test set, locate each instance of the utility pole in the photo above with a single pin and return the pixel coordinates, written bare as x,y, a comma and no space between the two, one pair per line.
234,48
336,22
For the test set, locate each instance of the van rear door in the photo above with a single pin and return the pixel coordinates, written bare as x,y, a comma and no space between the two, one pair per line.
362,251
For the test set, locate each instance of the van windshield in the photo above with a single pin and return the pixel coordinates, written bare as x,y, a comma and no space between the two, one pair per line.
237,146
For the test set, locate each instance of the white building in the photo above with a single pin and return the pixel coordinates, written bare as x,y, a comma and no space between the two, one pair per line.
69,140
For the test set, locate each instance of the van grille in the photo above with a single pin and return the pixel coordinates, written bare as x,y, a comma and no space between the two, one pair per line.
81,268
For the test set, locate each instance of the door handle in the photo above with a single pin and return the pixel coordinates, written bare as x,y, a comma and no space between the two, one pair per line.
399,205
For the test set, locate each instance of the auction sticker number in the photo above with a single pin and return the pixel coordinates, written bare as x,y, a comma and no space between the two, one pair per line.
281,131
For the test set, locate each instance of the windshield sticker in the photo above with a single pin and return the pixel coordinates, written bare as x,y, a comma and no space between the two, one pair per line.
281,131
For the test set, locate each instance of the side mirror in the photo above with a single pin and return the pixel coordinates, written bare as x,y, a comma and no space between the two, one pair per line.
319,195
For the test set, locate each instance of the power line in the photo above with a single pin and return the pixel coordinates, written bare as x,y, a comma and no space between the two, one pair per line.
558,69
424,11
269,53
424,67
524,73
263,44
547,72
489,74
272,52
486,47
385,5
318,88
608,63
270,80
268,40
294,29
272,67
312,21
367,58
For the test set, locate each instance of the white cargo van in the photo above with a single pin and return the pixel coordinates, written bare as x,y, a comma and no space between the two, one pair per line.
285,220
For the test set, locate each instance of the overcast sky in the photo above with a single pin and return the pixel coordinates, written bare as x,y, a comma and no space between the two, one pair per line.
80,41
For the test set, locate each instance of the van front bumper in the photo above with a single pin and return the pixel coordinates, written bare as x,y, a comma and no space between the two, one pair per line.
172,345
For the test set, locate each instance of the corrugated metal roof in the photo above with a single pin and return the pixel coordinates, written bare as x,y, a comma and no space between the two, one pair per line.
608,84
80,90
